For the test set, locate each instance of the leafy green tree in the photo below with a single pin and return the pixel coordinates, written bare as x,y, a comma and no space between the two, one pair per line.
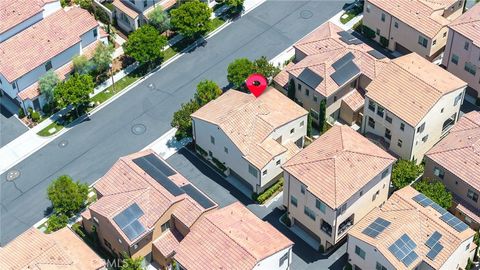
47,84
85,4
405,172
262,66
291,90
102,57
322,115
74,91
238,71
145,45
206,91
159,19
132,263
81,65
182,120
309,125
67,197
192,19
436,191
56,222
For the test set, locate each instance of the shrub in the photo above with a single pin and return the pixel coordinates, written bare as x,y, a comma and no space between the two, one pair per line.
286,220
77,228
405,172
469,265
35,116
384,41
369,33
436,191
201,151
291,89
321,249
269,192
21,113
56,222
358,26
101,15
219,164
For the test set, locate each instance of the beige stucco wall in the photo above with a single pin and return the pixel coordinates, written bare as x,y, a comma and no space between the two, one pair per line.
372,255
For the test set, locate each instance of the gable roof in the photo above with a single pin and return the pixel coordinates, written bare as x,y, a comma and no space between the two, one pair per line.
459,151
406,216
14,12
410,86
62,249
424,16
468,25
338,164
43,41
229,238
249,121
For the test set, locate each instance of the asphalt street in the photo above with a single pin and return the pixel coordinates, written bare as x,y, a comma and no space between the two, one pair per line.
10,126
90,148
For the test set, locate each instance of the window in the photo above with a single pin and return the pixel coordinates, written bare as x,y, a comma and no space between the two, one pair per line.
439,172
361,193
445,34
320,206
455,59
95,32
292,131
371,106
212,139
309,213
434,42
457,99
383,17
278,162
14,85
395,24
107,244
293,201
466,45
441,111
334,98
342,209
425,138
95,220
0,81
467,247
145,3
371,122
48,65
375,195
422,41
399,143
299,87
314,114
380,111
307,92
302,123
388,119
378,31
283,259
210,153
402,126
380,267
252,170
421,128
471,68
225,149
165,226
472,195
315,98
264,172
385,173
360,252
302,189
388,134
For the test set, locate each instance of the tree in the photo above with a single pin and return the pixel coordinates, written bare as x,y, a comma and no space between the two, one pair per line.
309,125
159,19
74,91
132,263
47,84
206,91
291,90
182,120
262,66
67,197
322,114
436,191
192,19
81,65
238,71
145,44
405,172
56,222
102,58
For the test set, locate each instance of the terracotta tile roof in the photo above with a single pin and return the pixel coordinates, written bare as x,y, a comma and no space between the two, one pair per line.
229,238
354,100
468,25
168,242
13,12
33,90
466,208
59,250
418,222
338,164
324,47
249,121
423,15
187,212
410,86
282,77
130,12
459,151
43,41
165,4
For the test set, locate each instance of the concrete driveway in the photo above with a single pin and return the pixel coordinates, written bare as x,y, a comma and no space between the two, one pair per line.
210,182
10,126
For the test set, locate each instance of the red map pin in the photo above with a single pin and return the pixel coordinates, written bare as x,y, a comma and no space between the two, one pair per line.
256,83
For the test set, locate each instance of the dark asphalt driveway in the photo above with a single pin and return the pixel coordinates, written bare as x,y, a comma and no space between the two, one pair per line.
218,189
10,126
93,146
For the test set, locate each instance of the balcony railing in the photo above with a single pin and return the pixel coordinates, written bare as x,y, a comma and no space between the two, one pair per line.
326,228
343,227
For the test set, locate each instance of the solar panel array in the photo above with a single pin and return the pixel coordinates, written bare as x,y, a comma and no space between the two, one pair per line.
434,245
310,78
128,222
425,201
434,251
345,73
376,227
402,249
433,239
349,38
343,60
454,222
159,171
203,200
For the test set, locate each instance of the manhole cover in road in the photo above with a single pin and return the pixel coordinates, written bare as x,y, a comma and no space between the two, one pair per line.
12,175
63,144
306,14
138,129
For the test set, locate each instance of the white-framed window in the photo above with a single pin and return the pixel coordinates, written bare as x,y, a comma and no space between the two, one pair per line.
378,31
307,92
425,138
302,189
302,123
95,220
309,213
457,99
371,122
471,68
264,172
342,209
385,173
380,111
378,266
360,252
95,32
472,195
434,42
421,128
293,201
212,139
278,162
292,131
402,126
383,17
455,59
399,143
48,65
395,24
422,41
165,226
225,149
252,170
283,259
466,45
320,206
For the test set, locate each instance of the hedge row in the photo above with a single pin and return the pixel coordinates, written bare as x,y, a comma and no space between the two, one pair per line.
262,197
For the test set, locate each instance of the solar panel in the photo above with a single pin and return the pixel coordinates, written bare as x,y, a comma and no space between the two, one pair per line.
343,60
454,222
402,247
160,165
434,251
198,196
127,220
411,257
345,73
155,171
376,227
376,54
433,239
349,38
134,230
438,208
311,78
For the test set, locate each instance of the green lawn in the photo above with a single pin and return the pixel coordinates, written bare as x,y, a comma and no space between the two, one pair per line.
44,132
350,14
217,22
117,87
